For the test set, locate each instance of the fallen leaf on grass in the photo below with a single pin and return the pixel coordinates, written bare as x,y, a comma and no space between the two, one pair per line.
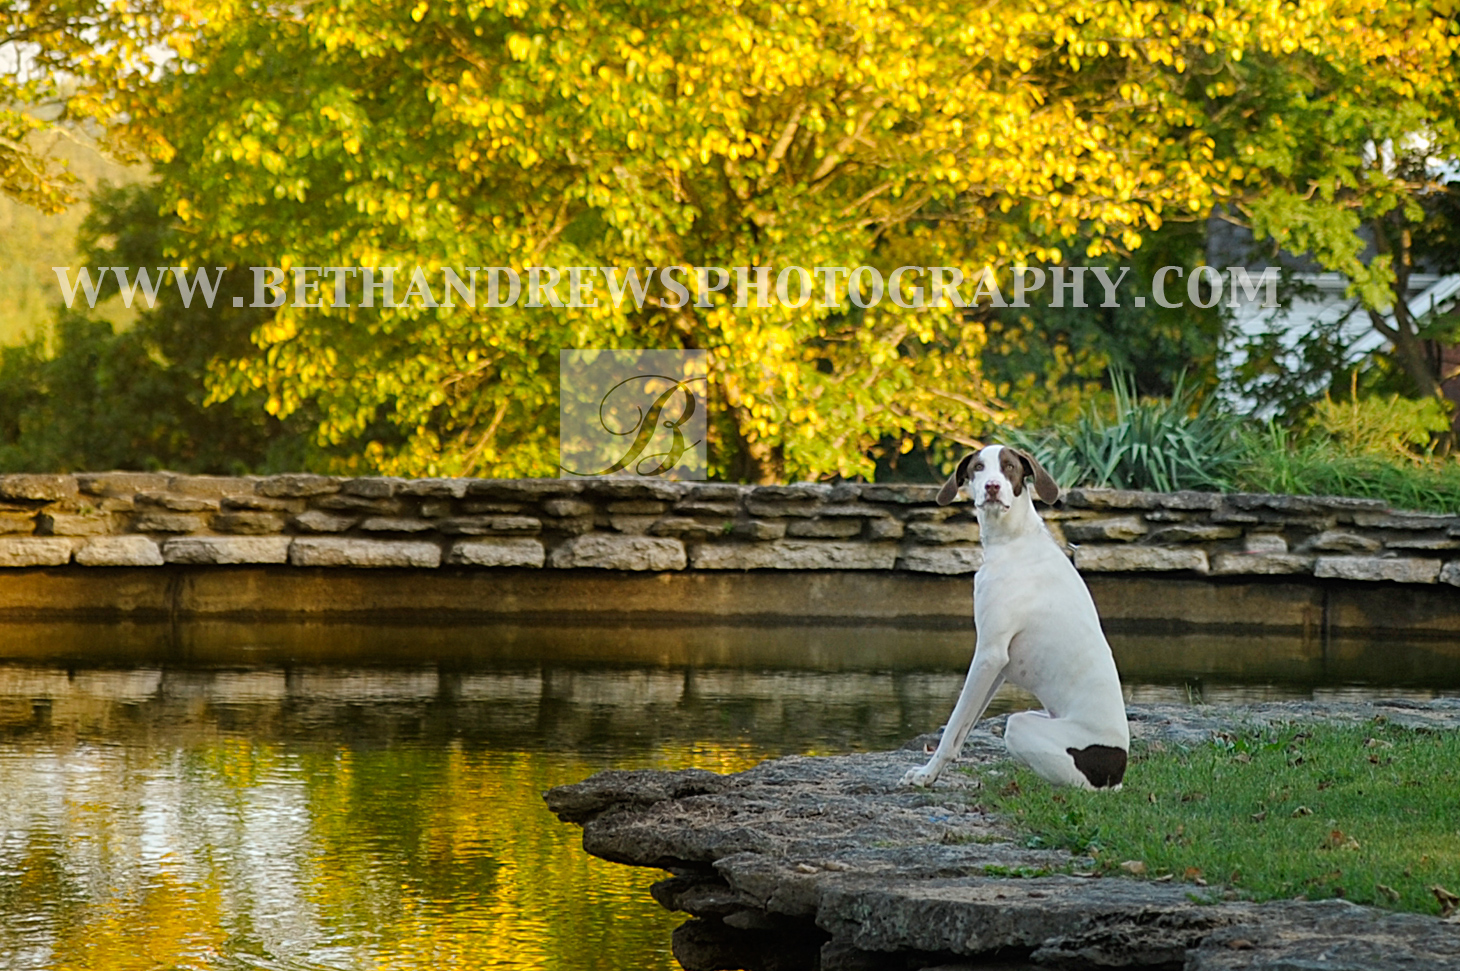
1388,893
1449,902
1134,866
1338,841
1165,878
1302,811
1259,817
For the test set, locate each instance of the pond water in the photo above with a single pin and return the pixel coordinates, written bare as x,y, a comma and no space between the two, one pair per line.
347,806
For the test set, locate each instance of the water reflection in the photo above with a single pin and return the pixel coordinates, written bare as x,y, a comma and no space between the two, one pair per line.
166,809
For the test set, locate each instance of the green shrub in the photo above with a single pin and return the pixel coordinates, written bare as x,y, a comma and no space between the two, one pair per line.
1162,445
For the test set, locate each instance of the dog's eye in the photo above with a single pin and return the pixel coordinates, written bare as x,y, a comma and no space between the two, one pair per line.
978,467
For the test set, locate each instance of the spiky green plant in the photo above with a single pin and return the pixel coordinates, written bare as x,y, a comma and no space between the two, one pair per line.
1158,444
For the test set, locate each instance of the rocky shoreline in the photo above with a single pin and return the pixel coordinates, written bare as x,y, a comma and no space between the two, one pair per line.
825,863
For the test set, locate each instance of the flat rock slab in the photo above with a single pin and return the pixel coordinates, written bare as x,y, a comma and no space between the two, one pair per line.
832,851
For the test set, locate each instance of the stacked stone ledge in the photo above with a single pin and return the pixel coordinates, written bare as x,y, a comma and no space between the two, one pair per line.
142,519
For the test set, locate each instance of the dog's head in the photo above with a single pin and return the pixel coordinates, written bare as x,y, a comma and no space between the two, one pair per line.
997,474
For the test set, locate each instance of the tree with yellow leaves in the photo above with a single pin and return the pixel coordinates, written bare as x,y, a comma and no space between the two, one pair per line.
837,133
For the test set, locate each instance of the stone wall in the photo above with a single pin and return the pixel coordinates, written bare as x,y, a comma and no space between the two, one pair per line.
129,519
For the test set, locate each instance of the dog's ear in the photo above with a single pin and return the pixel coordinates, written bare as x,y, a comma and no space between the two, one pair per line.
949,492
1044,485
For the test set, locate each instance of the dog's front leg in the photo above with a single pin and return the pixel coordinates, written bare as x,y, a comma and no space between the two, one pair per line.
985,676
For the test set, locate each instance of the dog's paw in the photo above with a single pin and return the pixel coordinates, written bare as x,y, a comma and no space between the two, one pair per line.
922,777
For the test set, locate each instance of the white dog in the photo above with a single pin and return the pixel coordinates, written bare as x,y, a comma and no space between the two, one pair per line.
1037,628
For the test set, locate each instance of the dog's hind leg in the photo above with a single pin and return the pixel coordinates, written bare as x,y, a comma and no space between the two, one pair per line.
1060,752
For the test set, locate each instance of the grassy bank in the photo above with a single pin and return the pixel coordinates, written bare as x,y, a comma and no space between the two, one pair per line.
1370,813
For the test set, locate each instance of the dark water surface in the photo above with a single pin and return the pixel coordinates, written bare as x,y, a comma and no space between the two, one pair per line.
371,799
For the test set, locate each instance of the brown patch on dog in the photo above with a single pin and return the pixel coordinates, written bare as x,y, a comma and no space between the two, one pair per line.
1025,465
949,492
1103,765
1013,470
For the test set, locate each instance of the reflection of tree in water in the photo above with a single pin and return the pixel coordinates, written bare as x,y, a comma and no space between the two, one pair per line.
147,837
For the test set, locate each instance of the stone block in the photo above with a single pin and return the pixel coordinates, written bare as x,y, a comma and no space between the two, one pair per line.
1450,573
19,522
166,522
37,488
69,524
694,507
315,521
611,552
223,550
1227,514
825,528
1337,541
1139,559
813,491
885,528
1348,505
962,531
523,490
685,527
436,508
861,510
175,502
1193,533
933,514
212,485
759,529
777,508
372,487
570,526
121,483
335,551
362,504
1406,520
717,492
941,559
1264,543
905,495
297,486
497,551
1120,528
35,550
1291,505
249,523
567,507
1087,498
636,525
1189,500
256,503
1430,540
119,551
482,525
1261,564
1375,568
637,488
638,507
396,524
795,554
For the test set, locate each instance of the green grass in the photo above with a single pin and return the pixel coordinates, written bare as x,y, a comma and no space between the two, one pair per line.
1323,468
1370,813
